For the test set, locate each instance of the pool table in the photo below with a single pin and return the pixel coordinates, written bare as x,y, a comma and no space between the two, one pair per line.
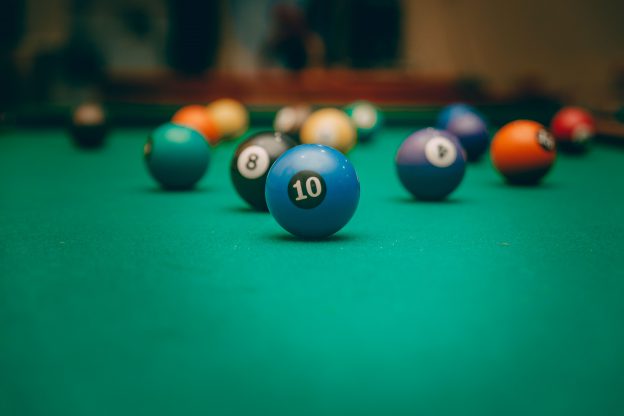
118,298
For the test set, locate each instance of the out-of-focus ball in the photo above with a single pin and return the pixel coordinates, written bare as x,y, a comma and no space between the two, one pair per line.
176,156
431,164
451,111
472,133
573,128
523,151
197,117
89,125
231,116
289,119
312,191
330,127
366,117
251,163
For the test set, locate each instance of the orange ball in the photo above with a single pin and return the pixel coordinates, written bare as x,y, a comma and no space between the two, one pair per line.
523,151
196,117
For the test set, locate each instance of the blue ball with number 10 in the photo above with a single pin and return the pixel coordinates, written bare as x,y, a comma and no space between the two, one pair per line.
312,191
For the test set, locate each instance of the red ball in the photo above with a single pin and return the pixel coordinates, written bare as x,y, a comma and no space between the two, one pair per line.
573,127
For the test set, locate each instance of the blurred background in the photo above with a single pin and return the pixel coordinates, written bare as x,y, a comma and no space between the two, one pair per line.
59,52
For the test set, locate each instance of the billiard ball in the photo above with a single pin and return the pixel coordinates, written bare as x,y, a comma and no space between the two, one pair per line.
176,156
197,117
312,191
451,111
523,151
472,133
431,164
289,119
367,118
251,163
329,127
89,125
573,128
231,117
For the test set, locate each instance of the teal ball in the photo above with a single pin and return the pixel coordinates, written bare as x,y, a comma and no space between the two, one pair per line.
177,157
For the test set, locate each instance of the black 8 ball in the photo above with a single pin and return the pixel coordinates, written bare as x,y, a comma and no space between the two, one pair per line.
251,163
89,125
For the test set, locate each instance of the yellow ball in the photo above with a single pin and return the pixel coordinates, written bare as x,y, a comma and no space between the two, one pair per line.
231,117
330,127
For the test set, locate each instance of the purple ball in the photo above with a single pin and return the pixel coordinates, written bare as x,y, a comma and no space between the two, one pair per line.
472,133
431,164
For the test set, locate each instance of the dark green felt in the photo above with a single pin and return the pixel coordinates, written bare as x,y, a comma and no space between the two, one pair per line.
117,298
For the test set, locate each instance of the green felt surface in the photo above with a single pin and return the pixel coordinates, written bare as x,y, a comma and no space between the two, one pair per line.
118,298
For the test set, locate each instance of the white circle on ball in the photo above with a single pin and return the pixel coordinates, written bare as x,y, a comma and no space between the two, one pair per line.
440,152
582,134
546,140
253,162
365,116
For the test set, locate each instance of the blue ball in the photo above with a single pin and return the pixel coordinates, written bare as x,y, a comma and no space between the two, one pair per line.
451,111
431,164
176,156
472,133
312,191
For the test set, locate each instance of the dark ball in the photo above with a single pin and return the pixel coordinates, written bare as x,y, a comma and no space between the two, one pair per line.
451,111
472,132
251,163
89,126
